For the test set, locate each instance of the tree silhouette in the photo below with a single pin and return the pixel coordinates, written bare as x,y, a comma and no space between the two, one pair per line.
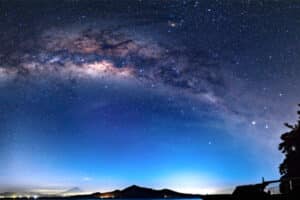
290,167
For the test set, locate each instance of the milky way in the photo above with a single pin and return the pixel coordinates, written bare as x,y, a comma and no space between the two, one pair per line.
198,89
85,52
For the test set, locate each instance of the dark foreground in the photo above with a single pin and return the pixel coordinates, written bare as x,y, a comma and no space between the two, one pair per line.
248,192
251,197
204,197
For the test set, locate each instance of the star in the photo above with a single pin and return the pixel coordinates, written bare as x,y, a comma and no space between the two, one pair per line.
172,24
266,126
137,79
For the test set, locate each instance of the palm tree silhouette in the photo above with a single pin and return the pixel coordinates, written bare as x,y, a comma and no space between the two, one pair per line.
290,167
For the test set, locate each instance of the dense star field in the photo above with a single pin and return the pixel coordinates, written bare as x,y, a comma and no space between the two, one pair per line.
188,95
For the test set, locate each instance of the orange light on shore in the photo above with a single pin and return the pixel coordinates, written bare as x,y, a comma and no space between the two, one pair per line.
106,196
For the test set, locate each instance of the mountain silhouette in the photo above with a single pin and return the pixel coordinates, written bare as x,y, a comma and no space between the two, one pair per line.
131,192
135,191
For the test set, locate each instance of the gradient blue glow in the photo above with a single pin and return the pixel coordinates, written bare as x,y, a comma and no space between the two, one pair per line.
67,122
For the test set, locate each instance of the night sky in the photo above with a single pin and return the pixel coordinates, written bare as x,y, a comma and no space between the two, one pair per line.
186,95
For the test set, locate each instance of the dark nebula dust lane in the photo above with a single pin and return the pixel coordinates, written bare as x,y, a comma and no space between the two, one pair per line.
191,91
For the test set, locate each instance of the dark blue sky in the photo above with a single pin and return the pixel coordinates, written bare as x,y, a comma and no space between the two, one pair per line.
187,95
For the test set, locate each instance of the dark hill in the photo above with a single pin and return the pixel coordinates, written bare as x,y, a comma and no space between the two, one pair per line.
141,192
